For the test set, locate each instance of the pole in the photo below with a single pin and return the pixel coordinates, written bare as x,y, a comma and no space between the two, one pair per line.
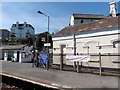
61,61
47,65
75,54
48,22
74,41
100,64
77,66
74,44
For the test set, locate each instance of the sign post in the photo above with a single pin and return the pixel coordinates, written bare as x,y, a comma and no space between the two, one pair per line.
100,64
77,66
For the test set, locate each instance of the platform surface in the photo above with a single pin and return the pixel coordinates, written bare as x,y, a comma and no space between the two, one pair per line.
57,78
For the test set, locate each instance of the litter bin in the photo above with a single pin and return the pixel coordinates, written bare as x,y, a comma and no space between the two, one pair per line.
43,59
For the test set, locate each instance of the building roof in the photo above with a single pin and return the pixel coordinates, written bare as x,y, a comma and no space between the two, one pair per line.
21,25
4,33
12,47
99,25
97,16
4,30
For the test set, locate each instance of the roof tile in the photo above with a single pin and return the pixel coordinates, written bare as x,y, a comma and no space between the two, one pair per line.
106,23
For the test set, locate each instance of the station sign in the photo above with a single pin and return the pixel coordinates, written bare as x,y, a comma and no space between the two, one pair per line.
47,44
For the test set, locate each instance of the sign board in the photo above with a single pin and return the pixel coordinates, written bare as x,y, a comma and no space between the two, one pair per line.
47,44
82,58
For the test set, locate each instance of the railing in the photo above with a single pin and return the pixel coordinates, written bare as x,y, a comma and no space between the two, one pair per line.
103,62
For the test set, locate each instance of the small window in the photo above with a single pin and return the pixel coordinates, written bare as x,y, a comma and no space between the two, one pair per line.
116,43
91,20
14,25
82,21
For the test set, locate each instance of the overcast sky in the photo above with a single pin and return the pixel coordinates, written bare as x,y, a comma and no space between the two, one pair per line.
59,13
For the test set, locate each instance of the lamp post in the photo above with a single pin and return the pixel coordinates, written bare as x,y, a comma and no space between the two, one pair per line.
47,66
46,16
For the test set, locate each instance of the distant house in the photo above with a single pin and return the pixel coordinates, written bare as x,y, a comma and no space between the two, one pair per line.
4,34
76,19
101,36
21,53
22,30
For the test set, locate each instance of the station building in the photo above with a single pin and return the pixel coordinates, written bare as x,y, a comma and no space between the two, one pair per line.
94,38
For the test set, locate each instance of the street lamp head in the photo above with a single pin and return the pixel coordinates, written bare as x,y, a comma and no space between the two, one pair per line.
39,12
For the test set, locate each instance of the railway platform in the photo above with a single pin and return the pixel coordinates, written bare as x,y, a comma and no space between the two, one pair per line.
55,78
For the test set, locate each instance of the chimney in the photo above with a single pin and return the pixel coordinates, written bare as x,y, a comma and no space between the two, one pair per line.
112,8
72,20
25,24
17,24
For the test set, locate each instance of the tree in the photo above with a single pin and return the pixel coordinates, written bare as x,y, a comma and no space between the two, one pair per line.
5,41
30,41
39,43
12,36
42,39
23,41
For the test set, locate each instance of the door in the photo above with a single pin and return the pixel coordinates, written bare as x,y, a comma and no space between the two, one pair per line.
62,61
18,52
62,53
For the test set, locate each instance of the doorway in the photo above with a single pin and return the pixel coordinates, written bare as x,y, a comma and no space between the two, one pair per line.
18,52
62,54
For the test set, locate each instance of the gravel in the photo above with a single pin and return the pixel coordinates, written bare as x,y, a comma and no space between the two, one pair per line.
4,86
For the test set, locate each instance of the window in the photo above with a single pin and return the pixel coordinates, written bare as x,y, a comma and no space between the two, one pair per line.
82,21
23,54
91,20
116,43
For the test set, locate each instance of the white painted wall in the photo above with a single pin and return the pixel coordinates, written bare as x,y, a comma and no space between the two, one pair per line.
93,41
15,55
25,55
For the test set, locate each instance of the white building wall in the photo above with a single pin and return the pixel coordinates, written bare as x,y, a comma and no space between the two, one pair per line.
93,42
25,55
105,41
69,46
57,49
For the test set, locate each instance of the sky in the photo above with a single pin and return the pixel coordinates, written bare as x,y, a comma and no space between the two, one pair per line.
59,12
56,0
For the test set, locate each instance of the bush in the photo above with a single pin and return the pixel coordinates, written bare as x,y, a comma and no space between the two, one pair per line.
11,43
23,41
